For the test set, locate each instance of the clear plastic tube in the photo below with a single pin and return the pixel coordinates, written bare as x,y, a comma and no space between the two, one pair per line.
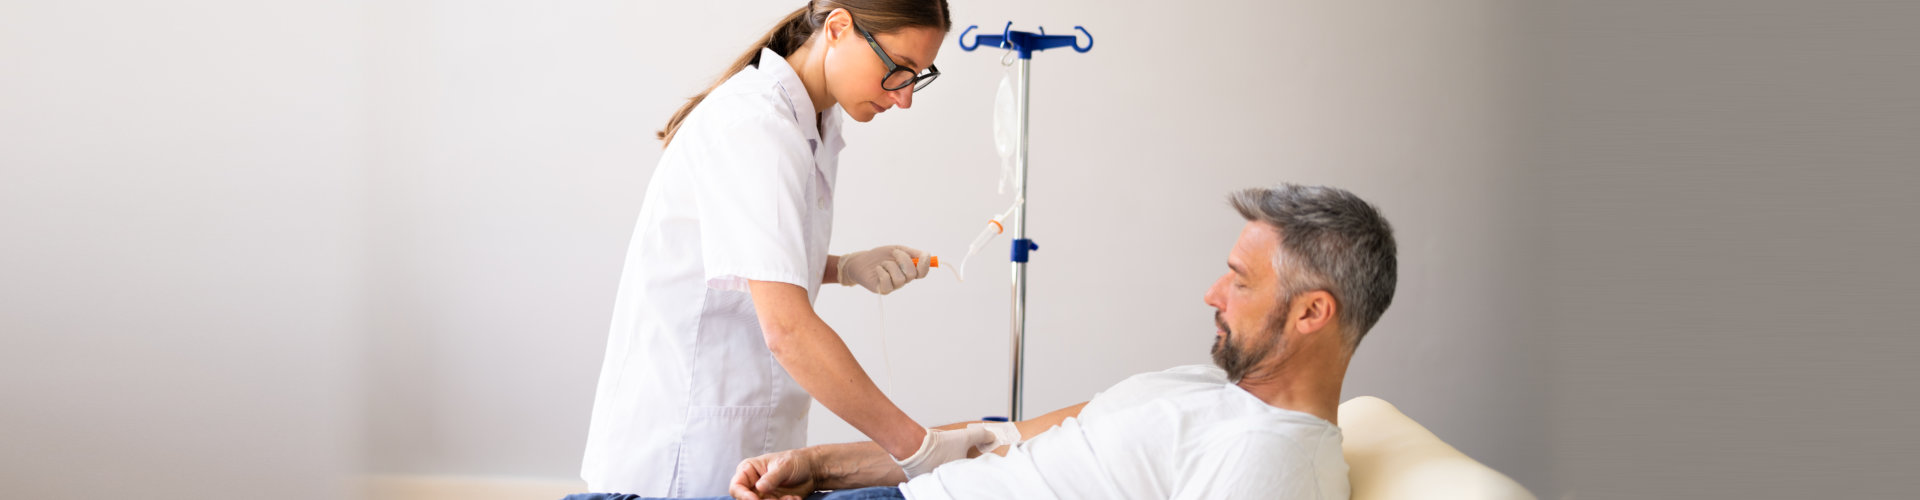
986,235
993,228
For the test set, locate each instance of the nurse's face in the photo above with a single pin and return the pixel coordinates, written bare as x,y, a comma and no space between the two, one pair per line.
854,72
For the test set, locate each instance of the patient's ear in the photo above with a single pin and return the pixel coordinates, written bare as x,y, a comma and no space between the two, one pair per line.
1313,311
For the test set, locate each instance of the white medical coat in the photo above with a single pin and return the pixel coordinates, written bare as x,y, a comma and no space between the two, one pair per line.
688,388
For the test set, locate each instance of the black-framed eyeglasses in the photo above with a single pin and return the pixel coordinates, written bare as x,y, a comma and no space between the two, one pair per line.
898,77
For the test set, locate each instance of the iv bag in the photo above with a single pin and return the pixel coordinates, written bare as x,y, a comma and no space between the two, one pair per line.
1006,128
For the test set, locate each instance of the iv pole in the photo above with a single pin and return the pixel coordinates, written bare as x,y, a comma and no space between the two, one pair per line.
1025,44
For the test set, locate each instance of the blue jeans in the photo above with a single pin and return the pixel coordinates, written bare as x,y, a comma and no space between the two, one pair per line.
873,493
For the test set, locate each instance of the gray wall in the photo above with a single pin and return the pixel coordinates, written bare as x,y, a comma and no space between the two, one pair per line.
1649,249
182,187
1728,219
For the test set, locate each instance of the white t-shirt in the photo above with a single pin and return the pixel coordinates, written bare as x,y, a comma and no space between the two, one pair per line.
1181,433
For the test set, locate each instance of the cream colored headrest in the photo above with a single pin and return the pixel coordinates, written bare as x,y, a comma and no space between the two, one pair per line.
1389,456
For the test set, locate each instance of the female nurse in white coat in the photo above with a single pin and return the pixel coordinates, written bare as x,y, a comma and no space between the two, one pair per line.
715,351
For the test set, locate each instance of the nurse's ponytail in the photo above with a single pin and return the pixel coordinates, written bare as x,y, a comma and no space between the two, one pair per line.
875,16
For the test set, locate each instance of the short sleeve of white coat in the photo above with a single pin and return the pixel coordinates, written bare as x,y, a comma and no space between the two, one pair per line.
751,173
1256,465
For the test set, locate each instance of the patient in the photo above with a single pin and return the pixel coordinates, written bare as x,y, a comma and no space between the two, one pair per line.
1312,271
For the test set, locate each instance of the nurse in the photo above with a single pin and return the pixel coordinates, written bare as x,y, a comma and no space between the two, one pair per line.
715,351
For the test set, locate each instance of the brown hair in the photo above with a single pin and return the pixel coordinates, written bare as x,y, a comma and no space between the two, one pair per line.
875,16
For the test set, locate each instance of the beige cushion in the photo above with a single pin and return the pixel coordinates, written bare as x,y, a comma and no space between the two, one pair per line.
1389,456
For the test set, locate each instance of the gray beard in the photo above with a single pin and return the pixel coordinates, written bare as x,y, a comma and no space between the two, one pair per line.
1237,361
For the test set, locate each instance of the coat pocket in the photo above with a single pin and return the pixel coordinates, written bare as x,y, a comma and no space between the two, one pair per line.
717,439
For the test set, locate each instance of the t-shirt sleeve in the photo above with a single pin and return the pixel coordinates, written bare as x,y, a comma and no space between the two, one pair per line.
1254,464
751,187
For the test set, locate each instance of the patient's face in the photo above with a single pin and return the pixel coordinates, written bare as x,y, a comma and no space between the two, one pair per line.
1247,303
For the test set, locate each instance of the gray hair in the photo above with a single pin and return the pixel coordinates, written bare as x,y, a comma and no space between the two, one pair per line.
1334,241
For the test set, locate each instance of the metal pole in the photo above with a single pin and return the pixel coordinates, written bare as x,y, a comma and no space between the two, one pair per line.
1019,237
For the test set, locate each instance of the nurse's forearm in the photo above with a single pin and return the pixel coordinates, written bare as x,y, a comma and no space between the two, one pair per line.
816,358
821,363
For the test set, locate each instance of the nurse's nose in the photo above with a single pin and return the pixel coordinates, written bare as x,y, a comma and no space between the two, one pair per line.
903,98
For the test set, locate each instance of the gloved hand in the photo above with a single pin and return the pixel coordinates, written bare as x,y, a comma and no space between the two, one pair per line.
883,270
1004,434
940,447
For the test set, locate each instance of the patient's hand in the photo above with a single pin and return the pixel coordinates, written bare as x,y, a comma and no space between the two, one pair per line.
784,475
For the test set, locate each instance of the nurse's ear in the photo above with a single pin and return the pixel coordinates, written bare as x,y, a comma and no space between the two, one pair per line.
838,25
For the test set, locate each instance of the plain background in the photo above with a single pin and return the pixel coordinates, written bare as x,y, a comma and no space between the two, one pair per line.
1648,249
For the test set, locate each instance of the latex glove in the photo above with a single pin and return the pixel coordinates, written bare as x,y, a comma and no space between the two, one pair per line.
884,269
1004,434
940,447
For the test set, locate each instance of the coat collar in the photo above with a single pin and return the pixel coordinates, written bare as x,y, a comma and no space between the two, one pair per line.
796,92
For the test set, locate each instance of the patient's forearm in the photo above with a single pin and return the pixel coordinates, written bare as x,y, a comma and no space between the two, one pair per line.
1028,428
1002,450
863,464
858,465
854,465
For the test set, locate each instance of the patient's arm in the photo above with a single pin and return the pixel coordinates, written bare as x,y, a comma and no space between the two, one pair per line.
851,465
855,465
1028,428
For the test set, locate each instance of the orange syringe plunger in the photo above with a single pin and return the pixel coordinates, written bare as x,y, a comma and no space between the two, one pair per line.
934,261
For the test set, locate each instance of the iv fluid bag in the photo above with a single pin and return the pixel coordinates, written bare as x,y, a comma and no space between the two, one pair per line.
1006,129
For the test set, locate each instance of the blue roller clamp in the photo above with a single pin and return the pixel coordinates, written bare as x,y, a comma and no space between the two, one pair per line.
1021,247
1024,42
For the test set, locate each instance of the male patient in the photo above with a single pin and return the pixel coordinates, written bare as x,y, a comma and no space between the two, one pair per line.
1313,269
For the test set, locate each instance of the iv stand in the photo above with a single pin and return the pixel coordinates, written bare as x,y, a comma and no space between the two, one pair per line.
1025,44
